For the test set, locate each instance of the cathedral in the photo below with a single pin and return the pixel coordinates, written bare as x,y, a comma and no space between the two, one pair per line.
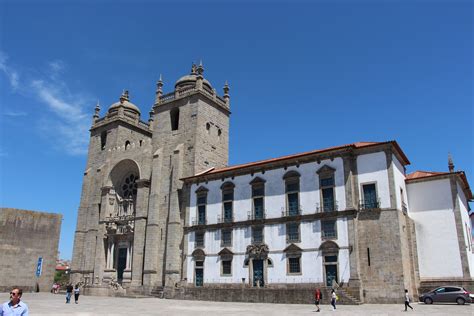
163,214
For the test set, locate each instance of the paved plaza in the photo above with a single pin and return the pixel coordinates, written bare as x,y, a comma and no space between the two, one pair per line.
53,305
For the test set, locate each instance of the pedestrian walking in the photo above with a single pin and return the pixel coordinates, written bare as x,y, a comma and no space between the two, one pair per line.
76,294
333,299
69,290
317,297
407,300
15,306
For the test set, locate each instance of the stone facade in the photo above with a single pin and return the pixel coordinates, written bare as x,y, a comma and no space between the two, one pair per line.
24,237
158,200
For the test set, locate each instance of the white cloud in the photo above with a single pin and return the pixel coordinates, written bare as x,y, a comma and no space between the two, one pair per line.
12,76
14,114
62,118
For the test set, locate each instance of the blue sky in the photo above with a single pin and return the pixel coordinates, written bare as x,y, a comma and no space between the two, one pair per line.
303,75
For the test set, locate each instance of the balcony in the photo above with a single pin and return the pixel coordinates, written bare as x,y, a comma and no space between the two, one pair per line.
292,211
256,215
369,204
224,219
328,206
198,222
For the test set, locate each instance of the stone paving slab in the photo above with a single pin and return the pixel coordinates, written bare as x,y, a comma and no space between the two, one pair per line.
54,305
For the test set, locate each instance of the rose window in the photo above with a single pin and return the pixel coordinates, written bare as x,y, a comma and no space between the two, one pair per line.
129,186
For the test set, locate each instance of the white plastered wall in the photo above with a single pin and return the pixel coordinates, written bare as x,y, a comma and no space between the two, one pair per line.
431,208
399,178
274,235
372,168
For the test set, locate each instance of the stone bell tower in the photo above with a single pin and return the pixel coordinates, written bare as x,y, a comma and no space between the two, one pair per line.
190,135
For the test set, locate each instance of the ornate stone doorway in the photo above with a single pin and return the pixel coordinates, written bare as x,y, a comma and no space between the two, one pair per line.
258,277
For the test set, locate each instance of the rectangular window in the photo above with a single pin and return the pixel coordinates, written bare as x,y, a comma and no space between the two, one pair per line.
257,235
327,193
294,265
370,196
226,267
226,238
258,192
202,215
328,229
228,212
258,208
293,208
293,232
201,205
199,239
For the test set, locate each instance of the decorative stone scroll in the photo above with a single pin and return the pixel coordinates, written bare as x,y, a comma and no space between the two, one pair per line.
257,251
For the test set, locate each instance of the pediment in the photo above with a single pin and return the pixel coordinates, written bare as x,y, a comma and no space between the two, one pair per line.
291,174
326,169
198,254
257,180
292,248
225,252
227,185
202,189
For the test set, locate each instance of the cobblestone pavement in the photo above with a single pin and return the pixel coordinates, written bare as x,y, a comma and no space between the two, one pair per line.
54,305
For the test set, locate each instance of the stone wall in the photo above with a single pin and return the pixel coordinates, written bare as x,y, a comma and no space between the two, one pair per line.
24,237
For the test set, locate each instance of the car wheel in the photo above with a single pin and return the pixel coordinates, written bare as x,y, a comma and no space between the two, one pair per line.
428,300
460,301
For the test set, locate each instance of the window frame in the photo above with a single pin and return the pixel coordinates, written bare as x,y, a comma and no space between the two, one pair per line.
298,232
323,234
199,244
262,228
223,243
227,189
222,267
292,177
289,258
257,184
377,199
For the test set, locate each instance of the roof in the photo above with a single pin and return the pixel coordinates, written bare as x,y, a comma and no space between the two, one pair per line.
429,175
356,145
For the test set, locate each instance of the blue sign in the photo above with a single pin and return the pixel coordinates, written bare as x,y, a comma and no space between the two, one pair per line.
39,267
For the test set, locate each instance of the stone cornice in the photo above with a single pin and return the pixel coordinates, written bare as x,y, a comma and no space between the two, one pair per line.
105,121
276,220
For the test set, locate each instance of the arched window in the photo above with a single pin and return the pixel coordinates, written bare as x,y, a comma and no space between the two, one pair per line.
292,189
103,140
127,144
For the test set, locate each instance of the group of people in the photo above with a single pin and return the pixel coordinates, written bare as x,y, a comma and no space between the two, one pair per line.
69,290
318,296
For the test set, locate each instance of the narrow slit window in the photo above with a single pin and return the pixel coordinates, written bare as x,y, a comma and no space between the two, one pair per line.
174,115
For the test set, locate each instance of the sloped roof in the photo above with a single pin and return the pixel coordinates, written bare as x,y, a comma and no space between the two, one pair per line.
356,145
429,175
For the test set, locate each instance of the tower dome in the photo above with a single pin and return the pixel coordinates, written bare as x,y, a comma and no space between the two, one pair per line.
190,80
126,104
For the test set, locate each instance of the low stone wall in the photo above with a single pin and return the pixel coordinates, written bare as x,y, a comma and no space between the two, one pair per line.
254,295
426,286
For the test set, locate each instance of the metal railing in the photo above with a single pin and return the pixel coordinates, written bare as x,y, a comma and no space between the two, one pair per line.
257,215
197,222
291,212
224,219
327,207
369,205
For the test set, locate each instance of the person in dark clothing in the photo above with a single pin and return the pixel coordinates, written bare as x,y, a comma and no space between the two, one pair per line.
407,300
76,293
69,289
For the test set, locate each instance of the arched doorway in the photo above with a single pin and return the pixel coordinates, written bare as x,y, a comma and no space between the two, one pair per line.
120,196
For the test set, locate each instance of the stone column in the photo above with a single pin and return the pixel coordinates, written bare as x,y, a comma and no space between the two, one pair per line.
351,184
154,236
139,230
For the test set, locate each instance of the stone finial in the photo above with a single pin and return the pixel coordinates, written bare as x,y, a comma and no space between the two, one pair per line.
159,90
200,69
96,111
226,93
124,96
450,163
199,77
193,69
